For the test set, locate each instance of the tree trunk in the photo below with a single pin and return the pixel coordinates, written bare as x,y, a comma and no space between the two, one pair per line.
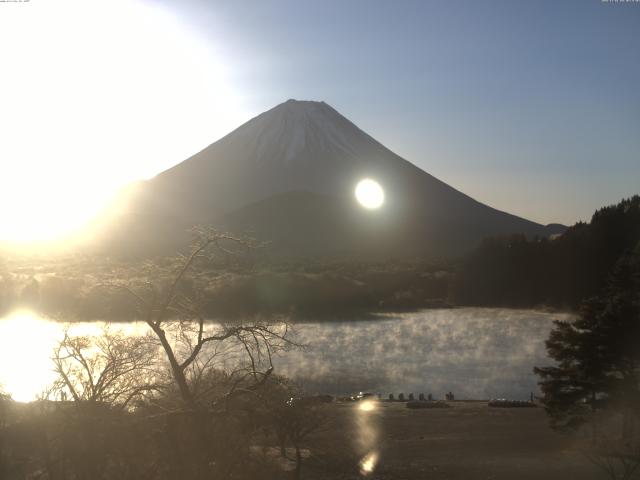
177,372
298,462
281,439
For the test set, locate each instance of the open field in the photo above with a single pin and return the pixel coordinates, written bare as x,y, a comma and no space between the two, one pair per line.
467,441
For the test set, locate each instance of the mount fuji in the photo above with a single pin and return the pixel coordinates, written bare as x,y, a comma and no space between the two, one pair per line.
288,176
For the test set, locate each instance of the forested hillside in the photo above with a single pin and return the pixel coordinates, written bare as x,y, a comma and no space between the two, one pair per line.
561,272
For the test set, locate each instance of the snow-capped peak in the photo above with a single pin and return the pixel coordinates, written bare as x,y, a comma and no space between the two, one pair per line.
295,126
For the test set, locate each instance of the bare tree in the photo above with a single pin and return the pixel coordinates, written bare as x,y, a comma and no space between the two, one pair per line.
618,460
211,364
298,419
617,456
113,368
175,315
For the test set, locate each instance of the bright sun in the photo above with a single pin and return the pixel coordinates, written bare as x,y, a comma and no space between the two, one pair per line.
94,95
369,194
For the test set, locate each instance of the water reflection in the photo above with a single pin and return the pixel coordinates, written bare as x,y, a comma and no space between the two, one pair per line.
368,463
367,405
367,435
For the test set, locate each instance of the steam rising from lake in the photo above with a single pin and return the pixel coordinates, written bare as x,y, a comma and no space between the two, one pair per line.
473,352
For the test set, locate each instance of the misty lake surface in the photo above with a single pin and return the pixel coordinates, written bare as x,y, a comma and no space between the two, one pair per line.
477,353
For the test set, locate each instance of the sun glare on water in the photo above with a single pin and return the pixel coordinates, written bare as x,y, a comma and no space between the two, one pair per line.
27,345
367,405
25,355
369,194
368,463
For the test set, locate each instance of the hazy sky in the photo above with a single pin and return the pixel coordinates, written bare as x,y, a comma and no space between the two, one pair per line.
531,107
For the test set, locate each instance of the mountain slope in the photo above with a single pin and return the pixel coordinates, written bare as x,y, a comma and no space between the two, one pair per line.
305,224
294,168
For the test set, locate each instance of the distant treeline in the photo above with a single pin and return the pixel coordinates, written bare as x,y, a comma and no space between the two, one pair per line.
561,272
83,289
511,271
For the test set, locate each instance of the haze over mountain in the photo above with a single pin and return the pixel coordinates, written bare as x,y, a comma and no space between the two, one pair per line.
288,176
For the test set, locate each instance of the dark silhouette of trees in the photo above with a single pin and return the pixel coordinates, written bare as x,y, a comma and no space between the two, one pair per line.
596,380
597,354
302,417
291,415
562,272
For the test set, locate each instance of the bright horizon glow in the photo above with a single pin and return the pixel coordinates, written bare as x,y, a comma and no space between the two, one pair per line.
95,95
369,194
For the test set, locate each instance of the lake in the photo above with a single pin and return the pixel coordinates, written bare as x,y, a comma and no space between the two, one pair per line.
476,353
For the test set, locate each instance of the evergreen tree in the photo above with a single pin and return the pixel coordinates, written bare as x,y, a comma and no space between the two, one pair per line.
598,354
521,272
